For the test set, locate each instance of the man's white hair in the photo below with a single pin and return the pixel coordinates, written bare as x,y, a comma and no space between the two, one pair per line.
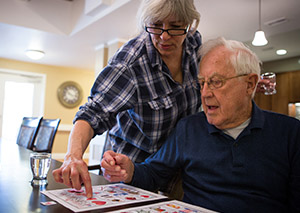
243,60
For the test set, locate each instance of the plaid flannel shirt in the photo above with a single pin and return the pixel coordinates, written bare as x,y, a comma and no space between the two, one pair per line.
136,99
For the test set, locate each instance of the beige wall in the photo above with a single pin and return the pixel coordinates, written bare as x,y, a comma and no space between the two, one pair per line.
56,76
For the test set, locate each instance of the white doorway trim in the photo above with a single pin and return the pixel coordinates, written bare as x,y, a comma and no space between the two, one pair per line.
39,81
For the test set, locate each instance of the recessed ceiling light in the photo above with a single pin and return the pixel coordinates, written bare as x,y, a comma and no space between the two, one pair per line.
281,52
35,54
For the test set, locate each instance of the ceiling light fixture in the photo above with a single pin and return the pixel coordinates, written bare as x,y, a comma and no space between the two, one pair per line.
259,37
35,54
281,52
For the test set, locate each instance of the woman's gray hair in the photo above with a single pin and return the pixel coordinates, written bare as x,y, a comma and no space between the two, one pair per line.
152,11
243,60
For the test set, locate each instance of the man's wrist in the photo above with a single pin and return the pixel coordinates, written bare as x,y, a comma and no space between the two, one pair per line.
70,156
131,175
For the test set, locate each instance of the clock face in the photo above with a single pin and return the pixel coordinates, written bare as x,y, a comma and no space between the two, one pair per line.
69,94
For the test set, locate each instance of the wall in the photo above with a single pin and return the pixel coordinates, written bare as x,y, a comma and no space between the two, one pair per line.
288,85
53,109
284,65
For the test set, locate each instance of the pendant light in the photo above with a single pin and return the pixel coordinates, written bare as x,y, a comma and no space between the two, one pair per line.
259,37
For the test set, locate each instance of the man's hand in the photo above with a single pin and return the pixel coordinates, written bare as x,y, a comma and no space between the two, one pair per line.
73,173
117,167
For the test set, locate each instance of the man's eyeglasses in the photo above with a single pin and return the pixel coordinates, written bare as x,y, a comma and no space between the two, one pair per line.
215,82
171,32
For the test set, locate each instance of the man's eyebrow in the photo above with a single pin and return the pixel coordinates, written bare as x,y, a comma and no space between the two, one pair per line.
213,75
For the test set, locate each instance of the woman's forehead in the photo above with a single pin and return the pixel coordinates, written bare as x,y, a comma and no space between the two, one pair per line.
168,19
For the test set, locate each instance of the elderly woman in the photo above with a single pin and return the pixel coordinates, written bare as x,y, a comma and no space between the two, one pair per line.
143,92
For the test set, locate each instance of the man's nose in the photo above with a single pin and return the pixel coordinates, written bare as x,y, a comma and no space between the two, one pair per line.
206,91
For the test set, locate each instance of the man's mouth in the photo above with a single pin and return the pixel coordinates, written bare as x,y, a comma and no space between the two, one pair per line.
212,107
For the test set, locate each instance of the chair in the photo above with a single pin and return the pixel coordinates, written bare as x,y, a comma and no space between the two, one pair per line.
45,135
106,146
28,130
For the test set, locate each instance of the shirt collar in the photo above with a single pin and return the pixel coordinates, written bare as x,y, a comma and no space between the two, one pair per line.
152,53
190,43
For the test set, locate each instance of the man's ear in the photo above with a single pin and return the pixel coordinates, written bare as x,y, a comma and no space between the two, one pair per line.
252,80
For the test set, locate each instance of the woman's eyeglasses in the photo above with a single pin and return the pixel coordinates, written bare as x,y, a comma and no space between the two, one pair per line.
171,32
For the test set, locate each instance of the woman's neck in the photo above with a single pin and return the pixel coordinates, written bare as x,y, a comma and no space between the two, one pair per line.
174,65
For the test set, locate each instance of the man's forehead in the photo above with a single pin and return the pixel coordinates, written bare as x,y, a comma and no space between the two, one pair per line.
214,74
214,67
218,52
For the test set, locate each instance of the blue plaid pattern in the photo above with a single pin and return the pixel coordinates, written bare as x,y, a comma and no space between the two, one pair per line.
136,98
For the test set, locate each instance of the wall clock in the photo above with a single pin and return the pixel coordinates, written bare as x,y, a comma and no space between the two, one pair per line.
69,94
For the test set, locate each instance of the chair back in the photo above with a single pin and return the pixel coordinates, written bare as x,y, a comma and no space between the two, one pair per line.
28,130
45,136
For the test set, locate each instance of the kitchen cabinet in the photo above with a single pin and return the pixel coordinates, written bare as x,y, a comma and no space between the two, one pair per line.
294,87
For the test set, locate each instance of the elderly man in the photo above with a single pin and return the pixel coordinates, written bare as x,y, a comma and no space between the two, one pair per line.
234,157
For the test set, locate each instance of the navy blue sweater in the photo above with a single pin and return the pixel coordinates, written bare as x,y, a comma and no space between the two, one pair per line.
257,172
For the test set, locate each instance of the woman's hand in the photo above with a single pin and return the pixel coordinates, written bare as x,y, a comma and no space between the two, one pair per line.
73,173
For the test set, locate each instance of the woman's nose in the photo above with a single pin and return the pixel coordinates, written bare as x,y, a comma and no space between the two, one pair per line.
165,36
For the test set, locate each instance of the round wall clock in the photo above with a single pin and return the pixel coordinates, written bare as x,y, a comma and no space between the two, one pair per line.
69,94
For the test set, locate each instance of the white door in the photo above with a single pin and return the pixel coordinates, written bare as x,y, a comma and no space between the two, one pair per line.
21,94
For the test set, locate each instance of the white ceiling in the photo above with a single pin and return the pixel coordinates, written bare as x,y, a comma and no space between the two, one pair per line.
70,31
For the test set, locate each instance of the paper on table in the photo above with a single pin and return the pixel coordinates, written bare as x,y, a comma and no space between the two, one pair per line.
104,196
167,206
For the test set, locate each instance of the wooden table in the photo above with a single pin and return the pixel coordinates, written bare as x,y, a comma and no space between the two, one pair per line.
16,192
